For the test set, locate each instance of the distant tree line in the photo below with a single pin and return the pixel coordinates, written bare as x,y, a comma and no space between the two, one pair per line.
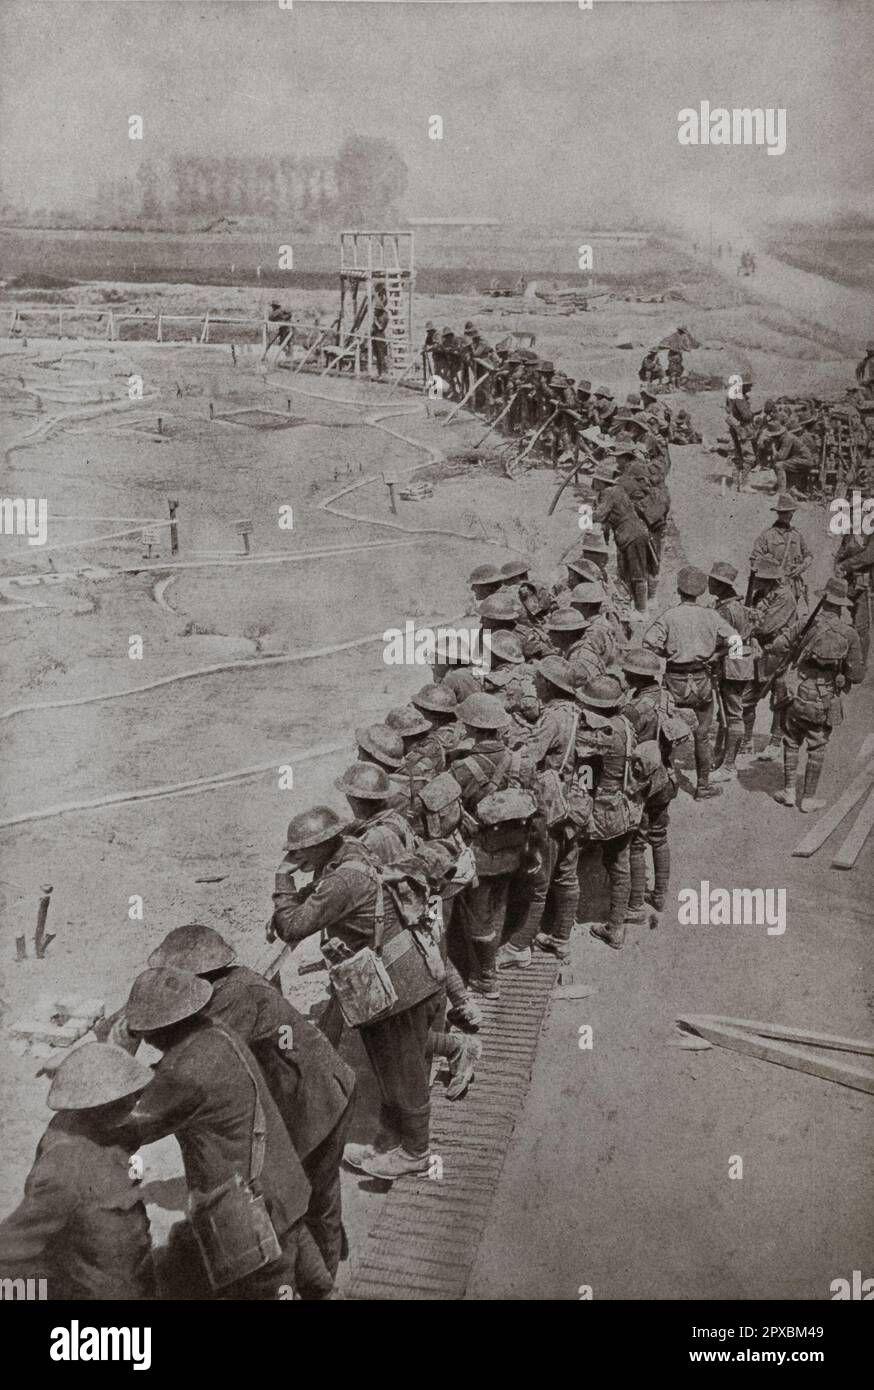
363,183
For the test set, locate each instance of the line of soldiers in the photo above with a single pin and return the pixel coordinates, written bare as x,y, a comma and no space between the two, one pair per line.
477,813
520,392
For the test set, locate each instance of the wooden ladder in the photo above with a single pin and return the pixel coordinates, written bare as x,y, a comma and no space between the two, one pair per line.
396,332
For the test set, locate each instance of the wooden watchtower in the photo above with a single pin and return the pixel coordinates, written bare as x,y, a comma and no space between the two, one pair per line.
370,261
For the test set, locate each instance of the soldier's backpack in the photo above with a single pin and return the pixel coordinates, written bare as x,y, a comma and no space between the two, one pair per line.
674,725
654,781
503,821
828,648
393,975
488,773
814,688
616,810
441,819
440,806
550,783
564,793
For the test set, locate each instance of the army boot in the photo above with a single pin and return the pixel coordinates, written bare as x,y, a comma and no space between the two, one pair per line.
552,945
463,1055
611,934
397,1163
510,956
810,802
728,771
786,796
356,1155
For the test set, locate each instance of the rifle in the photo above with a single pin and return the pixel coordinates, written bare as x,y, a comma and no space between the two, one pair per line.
721,741
543,427
588,458
464,400
497,420
795,652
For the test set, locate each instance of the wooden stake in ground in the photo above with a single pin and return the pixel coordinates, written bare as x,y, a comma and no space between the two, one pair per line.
391,482
851,848
42,939
833,817
244,528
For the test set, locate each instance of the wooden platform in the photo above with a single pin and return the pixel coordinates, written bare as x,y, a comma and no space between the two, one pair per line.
426,1238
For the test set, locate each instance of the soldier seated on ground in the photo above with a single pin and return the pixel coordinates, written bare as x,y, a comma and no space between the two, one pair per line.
651,368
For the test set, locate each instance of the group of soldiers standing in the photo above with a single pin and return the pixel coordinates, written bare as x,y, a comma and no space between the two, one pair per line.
523,393
476,815
792,436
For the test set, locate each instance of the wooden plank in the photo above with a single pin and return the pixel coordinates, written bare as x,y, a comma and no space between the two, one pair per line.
851,848
784,1055
424,1243
866,751
820,832
805,1036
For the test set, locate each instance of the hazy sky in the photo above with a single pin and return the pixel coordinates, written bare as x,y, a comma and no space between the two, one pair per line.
548,111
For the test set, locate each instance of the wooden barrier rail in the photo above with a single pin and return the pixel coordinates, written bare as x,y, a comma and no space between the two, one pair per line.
205,321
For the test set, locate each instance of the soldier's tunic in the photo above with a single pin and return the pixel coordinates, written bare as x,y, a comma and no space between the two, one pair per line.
688,637
482,907
82,1224
675,366
424,759
814,696
741,428
313,1087
616,513
645,711
343,905
515,687
773,613
793,463
606,742
600,639
738,671
583,659
461,680
203,1094
650,368
533,637
551,746
787,548
855,560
